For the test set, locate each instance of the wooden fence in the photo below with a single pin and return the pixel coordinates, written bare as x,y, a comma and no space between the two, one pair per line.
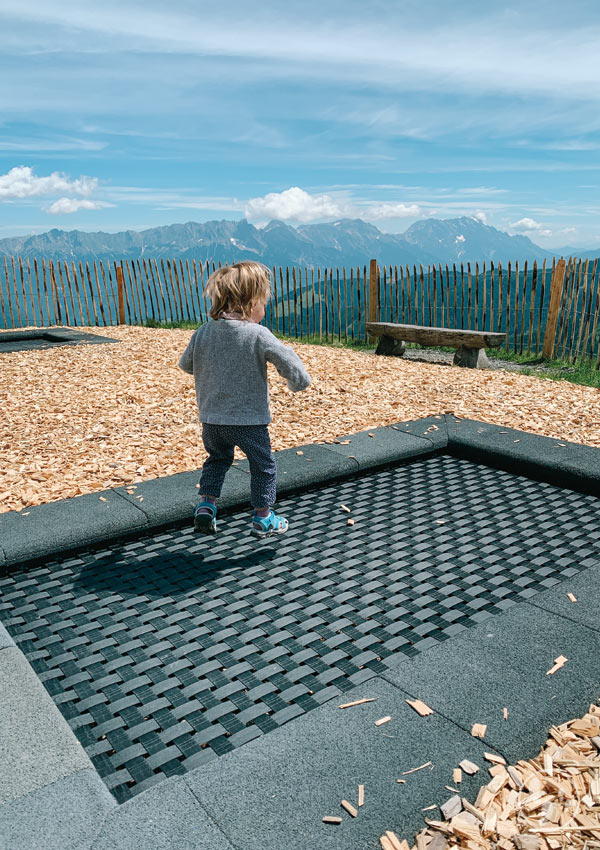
552,309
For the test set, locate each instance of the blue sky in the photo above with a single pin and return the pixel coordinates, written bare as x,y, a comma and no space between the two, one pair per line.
130,115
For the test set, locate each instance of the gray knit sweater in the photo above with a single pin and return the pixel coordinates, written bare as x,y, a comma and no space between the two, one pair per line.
228,359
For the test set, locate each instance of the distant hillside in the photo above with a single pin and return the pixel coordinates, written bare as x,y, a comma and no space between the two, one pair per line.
348,242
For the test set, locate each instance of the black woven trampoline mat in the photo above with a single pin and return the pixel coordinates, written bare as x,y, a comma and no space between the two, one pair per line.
166,652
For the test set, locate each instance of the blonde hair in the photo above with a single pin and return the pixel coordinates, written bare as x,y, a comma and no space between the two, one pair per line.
237,288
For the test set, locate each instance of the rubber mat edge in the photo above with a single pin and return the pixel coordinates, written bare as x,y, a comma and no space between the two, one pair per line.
551,460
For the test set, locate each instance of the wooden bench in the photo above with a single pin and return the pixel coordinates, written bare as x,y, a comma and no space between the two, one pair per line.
470,345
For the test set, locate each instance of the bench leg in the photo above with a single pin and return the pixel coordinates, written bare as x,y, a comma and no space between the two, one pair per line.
472,358
391,346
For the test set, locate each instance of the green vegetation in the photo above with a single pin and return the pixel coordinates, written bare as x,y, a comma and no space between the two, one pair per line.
583,373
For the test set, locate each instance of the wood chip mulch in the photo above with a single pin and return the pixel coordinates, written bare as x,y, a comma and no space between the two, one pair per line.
546,803
79,419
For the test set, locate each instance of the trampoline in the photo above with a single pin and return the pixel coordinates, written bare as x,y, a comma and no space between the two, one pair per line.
44,338
165,651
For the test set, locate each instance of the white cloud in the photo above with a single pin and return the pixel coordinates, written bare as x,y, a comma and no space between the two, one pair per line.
71,205
21,182
528,225
480,216
294,204
297,205
391,210
460,238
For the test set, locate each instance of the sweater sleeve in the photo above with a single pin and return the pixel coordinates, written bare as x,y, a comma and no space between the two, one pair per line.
285,360
186,361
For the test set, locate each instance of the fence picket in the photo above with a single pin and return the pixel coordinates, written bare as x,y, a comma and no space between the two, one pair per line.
584,300
508,297
143,269
7,298
22,276
492,283
565,307
14,275
483,299
499,299
140,289
584,346
476,297
45,282
557,288
539,323
534,275
37,282
573,312
31,292
516,310
65,302
457,296
74,288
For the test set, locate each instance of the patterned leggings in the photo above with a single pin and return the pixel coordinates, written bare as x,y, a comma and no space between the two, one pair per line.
220,441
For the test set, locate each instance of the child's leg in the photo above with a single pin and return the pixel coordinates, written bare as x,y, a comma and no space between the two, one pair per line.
255,442
219,442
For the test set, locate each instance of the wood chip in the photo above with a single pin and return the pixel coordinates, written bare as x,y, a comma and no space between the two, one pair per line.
386,844
572,597
383,720
478,730
420,707
496,769
465,828
420,767
494,758
299,453
331,819
349,808
558,663
451,807
526,842
357,702
395,841
350,522
344,508
361,795
468,767
457,775
438,842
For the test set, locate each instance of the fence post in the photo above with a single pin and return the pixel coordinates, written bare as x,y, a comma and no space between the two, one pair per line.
373,295
120,290
556,289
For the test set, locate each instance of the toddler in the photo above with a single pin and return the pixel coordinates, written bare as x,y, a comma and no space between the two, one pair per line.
228,358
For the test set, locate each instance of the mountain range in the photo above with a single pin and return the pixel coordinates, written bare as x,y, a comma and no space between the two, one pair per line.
347,242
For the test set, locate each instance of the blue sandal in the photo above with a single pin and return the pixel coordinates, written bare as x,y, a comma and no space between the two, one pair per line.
268,525
205,523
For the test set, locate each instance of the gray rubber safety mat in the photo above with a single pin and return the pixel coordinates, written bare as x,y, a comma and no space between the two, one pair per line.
165,652
43,338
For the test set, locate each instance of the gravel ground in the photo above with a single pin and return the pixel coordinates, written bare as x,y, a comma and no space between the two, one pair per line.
424,355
